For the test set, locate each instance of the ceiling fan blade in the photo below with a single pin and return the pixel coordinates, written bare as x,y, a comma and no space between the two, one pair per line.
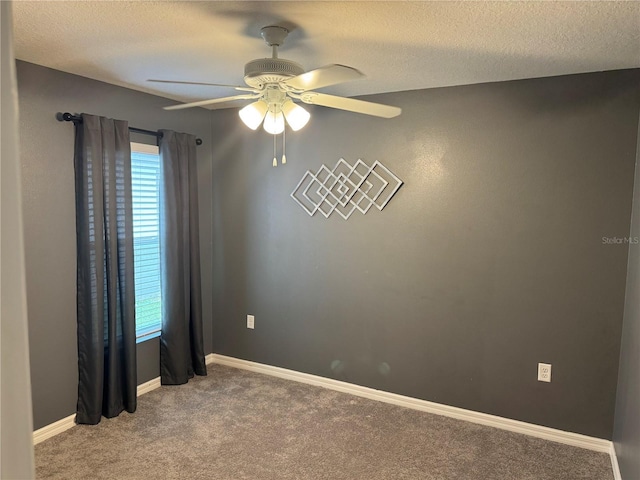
244,89
323,77
350,104
202,103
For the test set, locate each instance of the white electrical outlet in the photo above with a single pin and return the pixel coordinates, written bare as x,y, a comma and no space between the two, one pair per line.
544,372
250,321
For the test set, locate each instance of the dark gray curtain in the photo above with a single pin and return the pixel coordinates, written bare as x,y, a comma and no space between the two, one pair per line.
106,303
181,339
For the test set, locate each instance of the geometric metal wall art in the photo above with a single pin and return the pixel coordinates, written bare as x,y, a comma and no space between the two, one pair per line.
346,188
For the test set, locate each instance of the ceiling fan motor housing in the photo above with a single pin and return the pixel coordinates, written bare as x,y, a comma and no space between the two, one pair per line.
270,70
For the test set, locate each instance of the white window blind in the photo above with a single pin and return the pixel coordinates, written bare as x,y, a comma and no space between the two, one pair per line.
146,190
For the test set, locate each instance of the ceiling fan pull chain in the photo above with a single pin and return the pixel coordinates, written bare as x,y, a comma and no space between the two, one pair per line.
284,137
275,162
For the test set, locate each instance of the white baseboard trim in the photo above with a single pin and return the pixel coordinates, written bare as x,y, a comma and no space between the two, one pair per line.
148,386
66,423
53,429
614,463
546,433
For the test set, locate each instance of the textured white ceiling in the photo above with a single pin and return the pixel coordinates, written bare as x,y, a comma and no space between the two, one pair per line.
398,45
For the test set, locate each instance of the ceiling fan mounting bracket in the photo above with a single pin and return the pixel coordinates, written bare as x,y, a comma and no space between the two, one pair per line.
274,35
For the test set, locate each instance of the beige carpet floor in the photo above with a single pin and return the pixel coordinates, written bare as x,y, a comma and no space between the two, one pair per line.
236,425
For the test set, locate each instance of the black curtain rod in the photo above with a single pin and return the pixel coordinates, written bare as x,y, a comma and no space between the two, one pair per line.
67,117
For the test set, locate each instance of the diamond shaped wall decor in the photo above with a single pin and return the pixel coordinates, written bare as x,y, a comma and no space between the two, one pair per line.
346,188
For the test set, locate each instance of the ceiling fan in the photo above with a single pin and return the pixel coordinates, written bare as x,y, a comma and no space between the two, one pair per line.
275,82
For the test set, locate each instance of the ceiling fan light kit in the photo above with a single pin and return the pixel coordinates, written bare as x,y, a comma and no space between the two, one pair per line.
274,123
297,117
253,114
275,82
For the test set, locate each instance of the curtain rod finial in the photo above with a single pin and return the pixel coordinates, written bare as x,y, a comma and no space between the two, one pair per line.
66,117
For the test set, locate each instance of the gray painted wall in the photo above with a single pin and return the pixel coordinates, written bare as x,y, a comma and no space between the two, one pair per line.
626,433
489,260
49,219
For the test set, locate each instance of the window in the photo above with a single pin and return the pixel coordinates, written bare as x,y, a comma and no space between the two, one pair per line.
146,190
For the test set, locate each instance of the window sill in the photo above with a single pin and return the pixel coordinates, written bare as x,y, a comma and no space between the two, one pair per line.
147,336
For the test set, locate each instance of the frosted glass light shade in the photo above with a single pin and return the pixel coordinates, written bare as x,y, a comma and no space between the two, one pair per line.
253,114
274,123
297,117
